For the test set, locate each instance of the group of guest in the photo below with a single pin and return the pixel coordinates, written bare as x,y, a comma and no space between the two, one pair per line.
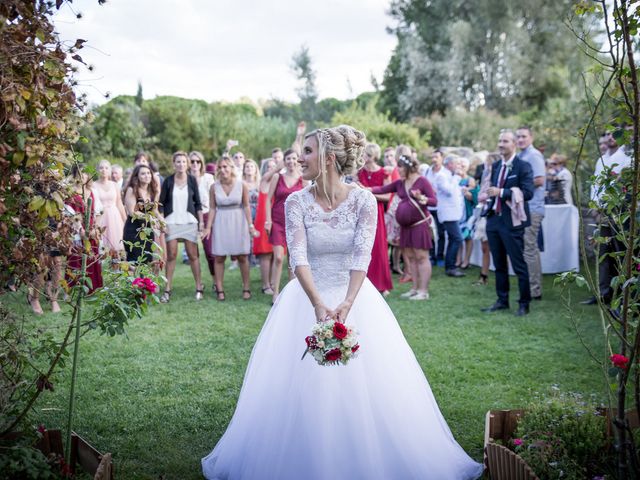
428,215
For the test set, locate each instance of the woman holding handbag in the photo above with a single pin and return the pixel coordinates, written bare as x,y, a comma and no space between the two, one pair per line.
416,194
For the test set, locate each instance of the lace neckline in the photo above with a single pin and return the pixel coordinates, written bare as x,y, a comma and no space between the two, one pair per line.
313,201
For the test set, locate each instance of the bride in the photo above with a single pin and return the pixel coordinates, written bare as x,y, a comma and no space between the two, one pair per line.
375,418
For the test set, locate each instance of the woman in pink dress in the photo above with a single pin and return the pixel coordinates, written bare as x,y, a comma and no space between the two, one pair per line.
373,175
113,216
282,185
416,194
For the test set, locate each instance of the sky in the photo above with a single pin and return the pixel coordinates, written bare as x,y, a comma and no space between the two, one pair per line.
225,50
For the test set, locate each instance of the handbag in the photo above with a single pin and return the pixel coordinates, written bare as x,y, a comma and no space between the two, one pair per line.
428,220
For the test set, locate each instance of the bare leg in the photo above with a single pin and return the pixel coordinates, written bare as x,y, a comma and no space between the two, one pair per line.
395,257
53,286
468,248
219,268
422,268
265,271
486,257
409,260
33,294
276,269
408,264
194,260
172,253
243,263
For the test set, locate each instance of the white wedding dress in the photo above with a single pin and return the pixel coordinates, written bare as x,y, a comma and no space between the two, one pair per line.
374,418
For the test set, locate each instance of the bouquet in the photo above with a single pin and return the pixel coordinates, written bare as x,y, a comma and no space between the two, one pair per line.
332,343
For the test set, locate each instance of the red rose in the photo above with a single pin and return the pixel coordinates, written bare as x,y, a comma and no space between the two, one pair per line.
312,342
619,361
333,355
355,348
150,285
339,330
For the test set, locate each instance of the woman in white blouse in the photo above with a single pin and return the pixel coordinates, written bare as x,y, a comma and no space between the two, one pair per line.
182,209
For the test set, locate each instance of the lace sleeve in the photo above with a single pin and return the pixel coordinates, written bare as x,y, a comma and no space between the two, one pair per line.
365,232
296,232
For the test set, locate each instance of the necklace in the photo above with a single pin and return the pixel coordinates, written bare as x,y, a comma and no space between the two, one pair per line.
315,196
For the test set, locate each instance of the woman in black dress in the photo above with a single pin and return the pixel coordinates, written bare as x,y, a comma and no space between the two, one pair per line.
140,199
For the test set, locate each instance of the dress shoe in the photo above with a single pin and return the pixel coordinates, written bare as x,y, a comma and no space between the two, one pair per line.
455,272
522,311
495,307
539,297
590,301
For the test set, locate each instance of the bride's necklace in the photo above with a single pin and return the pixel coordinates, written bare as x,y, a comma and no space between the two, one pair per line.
316,197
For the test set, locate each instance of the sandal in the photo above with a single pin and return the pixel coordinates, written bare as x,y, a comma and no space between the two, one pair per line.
166,296
220,295
246,294
267,290
200,293
483,280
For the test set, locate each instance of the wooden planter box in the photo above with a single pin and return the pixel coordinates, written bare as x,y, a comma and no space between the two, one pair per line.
502,463
99,465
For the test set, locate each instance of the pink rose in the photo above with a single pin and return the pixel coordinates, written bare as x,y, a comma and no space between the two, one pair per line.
517,442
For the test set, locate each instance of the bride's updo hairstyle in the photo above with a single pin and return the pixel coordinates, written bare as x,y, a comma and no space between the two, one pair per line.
346,143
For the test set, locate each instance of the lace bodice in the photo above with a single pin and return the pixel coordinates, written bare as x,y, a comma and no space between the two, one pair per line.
331,243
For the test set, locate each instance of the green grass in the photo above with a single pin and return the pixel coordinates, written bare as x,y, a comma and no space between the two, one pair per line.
160,399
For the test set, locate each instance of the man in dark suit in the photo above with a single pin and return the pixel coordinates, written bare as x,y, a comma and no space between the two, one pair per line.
505,237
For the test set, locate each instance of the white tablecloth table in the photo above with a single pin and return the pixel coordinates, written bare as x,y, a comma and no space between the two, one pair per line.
561,230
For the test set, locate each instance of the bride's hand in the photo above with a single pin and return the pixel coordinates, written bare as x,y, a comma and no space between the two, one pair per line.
341,311
322,313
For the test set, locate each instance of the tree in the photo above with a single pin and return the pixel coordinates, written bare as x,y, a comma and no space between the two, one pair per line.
501,55
301,65
139,97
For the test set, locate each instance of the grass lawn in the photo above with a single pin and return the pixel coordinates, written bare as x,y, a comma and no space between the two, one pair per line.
161,398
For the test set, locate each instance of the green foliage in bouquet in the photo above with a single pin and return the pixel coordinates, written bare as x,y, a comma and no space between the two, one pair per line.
562,436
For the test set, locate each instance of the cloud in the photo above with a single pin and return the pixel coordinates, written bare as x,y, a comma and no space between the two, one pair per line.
218,50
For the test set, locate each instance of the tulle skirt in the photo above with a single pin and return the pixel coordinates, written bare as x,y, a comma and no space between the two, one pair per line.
375,418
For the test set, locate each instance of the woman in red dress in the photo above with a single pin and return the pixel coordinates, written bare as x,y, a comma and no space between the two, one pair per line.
76,205
282,185
373,175
262,248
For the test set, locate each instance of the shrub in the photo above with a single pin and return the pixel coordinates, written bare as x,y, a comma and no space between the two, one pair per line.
562,436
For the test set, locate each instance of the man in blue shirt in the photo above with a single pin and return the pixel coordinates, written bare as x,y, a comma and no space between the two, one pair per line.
531,155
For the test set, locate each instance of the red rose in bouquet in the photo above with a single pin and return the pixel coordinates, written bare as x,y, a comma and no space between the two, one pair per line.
312,342
333,355
340,331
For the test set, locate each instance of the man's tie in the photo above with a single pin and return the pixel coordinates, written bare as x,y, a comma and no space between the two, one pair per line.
503,173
